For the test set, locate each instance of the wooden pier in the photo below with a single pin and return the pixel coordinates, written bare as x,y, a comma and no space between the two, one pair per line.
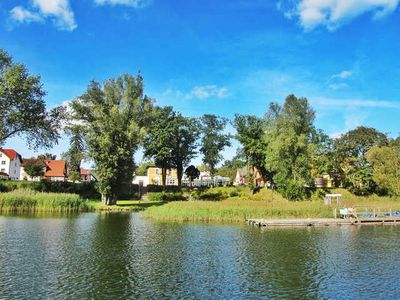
322,222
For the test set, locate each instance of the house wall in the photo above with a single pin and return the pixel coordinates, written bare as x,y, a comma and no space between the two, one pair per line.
154,175
24,176
10,166
138,179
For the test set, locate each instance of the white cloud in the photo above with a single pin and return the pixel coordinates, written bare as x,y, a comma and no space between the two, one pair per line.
343,75
58,11
333,13
22,15
337,81
207,91
132,3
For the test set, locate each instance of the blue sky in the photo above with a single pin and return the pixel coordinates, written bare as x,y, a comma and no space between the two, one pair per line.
222,57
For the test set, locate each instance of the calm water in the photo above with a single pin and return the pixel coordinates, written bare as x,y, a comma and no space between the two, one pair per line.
120,256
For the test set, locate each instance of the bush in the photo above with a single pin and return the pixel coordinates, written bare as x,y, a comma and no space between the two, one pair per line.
294,191
83,189
152,188
166,197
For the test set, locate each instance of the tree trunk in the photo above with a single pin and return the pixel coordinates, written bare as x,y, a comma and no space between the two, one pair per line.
179,172
108,199
163,177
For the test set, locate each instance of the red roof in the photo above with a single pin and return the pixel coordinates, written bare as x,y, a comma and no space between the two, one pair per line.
10,153
55,168
85,172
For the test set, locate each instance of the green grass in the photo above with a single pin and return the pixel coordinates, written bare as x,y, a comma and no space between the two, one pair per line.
264,204
30,201
123,205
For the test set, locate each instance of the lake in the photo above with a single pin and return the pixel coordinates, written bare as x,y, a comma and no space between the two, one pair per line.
122,256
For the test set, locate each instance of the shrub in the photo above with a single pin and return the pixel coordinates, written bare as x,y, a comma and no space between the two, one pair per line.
166,197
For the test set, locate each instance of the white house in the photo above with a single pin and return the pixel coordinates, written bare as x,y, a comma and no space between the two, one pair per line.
141,180
10,163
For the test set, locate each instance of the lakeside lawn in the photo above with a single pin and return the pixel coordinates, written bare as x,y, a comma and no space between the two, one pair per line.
222,204
264,204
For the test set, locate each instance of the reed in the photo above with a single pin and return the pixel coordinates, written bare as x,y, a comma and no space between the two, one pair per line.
31,201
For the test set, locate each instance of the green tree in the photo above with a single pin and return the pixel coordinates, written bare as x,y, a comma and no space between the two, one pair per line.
157,143
250,132
34,167
22,107
289,135
192,172
76,151
386,167
47,156
115,116
141,170
351,150
213,140
184,142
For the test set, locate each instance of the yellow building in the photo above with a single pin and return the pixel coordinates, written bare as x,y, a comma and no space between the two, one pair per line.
154,174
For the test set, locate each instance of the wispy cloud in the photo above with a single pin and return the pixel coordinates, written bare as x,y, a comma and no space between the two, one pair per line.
58,11
207,91
355,103
132,3
23,15
334,13
338,81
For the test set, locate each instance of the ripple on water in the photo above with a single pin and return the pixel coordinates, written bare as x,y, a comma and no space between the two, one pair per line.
122,256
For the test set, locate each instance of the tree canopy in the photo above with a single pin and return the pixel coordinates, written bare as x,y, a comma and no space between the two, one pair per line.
23,109
213,140
115,116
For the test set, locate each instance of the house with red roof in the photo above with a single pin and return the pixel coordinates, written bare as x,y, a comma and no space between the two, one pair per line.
10,164
56,170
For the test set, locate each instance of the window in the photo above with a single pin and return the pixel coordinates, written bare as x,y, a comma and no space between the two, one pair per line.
157,171
3,170
3,162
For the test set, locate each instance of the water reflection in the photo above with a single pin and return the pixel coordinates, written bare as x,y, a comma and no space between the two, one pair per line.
121,256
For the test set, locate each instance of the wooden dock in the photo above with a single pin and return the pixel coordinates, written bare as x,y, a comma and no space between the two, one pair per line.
322,222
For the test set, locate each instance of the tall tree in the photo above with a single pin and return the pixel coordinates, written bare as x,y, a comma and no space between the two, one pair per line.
76,151
157,143
114,115
47,156
250,132
213,140
184,142
171,141
192,172
289,135
386,167
351,150
34,167
22,107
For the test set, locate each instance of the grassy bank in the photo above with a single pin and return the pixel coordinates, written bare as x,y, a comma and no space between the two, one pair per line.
264,204
30,201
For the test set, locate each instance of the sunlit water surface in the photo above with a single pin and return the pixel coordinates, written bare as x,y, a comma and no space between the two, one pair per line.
121,256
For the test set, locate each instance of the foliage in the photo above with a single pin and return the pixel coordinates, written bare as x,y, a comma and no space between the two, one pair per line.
192,172
34,167
114,115
84,189
76,151
289,136
22,107
213,140
227,172
142,168
386,167
171,141
27,200
157,140
164,196
183,144
250,133
47,156
351,151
